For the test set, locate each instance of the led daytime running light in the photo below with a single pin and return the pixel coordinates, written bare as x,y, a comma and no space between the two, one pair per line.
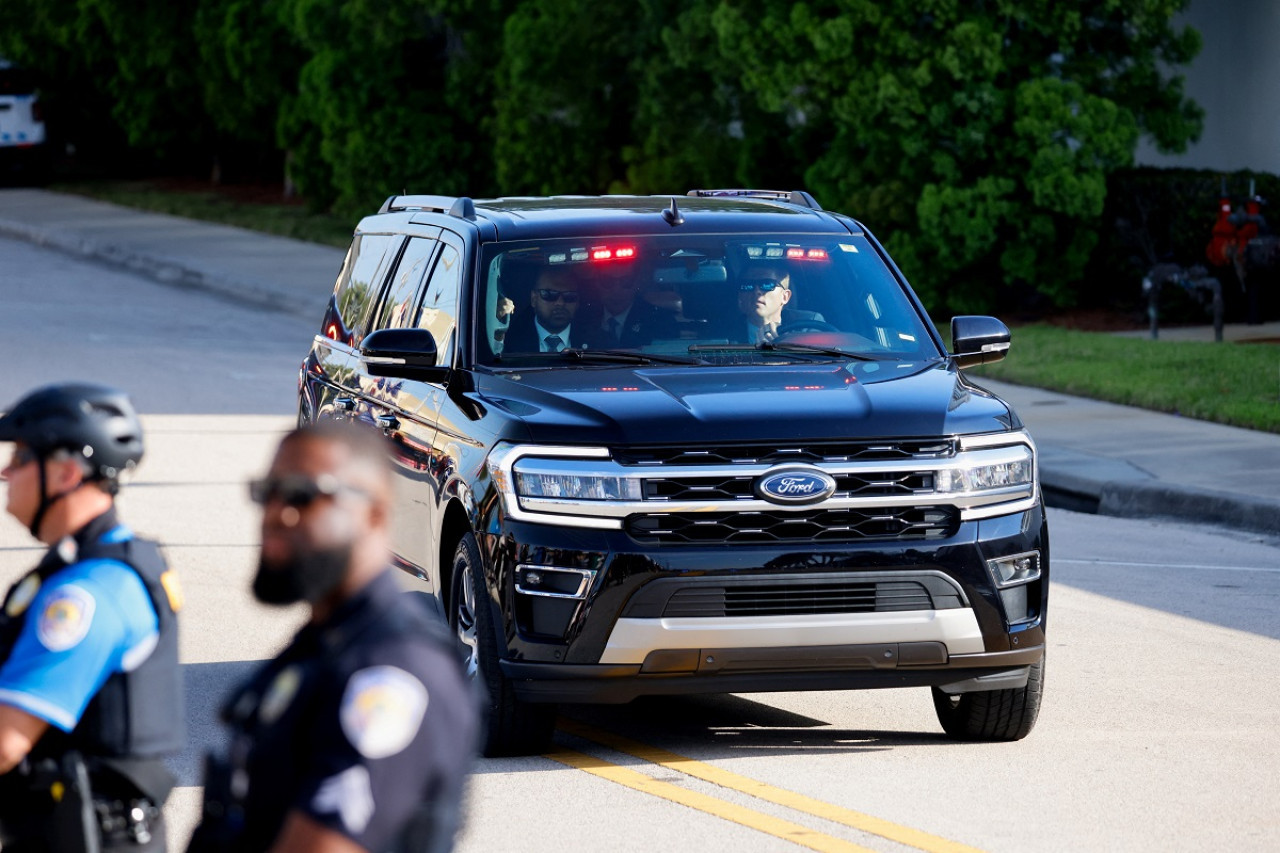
583,487
977,478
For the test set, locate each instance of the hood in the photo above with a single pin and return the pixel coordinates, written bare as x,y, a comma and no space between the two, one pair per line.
746,403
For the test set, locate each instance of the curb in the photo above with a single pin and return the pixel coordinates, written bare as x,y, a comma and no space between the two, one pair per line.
1156,499
1205,506
166,271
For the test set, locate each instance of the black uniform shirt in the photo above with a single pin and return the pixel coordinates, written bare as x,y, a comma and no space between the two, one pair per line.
365,724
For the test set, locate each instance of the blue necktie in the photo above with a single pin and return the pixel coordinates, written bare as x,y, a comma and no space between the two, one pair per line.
554,343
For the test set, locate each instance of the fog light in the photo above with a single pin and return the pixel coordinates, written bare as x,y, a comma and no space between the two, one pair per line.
554,582
1015,569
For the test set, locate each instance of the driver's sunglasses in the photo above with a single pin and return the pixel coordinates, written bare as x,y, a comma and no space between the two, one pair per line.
298,491
547,295
762,286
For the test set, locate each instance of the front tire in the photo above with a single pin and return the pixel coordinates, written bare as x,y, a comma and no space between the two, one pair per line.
512,727
992,715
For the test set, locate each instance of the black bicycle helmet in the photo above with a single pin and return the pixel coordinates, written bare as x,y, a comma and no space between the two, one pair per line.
95,422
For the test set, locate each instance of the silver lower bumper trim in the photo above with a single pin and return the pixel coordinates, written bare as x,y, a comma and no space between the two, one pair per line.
633,639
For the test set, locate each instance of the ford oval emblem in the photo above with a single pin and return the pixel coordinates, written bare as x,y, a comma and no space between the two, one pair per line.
795,485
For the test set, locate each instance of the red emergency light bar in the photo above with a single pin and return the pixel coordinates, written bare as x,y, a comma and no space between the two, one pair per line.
605,253
596,253
798,254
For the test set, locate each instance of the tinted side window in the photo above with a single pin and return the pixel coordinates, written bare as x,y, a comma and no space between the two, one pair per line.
361,276
438,311
414,262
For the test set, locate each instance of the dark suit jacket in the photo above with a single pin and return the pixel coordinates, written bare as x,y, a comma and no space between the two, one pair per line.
522,336
645,324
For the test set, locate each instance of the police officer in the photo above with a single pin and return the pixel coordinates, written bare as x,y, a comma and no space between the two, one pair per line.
360,733
90,687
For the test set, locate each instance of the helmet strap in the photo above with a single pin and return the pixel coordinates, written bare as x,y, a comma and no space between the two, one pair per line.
46,500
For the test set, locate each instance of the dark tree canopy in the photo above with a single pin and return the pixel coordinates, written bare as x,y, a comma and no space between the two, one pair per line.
975,138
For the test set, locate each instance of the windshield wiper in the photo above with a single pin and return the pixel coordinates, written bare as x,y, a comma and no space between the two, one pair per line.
626,356
786,348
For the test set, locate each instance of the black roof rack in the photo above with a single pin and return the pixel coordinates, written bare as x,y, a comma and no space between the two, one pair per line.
460,206
799,197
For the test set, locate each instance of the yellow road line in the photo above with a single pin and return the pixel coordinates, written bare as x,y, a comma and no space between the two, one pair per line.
776,827
799,802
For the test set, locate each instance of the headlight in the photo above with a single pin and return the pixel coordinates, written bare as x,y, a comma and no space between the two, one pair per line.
561,485
583,487
993,475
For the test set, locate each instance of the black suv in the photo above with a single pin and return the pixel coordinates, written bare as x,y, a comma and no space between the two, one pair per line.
696,444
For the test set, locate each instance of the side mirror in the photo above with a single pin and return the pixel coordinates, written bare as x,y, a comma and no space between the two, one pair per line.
978,340
402,353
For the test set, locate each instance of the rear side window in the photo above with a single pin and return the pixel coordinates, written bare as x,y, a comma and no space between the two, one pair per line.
358,283
398,306
438,311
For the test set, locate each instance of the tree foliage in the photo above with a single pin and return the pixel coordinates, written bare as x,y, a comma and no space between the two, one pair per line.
975,138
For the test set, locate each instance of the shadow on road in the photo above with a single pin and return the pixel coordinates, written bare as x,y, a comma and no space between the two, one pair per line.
206,687
721,722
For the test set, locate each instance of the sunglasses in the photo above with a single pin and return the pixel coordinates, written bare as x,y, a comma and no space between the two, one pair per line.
547,295
762,286
22,456
298,491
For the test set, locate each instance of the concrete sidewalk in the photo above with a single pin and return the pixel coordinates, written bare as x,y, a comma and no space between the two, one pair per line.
276,273
1094,457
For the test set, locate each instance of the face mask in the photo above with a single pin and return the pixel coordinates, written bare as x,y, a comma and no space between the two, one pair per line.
307,576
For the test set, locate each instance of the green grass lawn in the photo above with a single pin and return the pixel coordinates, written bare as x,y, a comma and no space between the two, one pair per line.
1231,383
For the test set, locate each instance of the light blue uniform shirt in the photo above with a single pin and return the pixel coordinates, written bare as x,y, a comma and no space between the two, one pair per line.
86,623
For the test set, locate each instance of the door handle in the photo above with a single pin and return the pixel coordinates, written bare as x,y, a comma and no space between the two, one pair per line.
389,423
344,404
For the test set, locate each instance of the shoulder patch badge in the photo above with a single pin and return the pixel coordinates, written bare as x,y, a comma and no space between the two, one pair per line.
382,708
20,598
66,618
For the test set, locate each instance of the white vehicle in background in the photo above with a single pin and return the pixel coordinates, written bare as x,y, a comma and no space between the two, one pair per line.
22,131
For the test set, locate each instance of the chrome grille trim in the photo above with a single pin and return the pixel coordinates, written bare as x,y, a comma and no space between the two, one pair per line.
875,486
823,524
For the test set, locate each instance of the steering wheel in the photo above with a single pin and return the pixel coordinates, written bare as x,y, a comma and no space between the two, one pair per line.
809,325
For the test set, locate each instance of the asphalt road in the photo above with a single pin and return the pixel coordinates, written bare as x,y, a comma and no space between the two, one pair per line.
1158,732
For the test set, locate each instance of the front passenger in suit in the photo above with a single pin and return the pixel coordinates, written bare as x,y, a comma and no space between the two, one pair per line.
549,327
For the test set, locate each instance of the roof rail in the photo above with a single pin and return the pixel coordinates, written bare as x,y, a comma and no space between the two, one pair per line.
460,206
799,197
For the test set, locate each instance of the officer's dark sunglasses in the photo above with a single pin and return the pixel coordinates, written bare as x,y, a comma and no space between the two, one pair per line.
22,456
547,295
298,491
762,286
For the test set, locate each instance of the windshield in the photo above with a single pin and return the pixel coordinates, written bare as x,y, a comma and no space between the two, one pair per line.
706,299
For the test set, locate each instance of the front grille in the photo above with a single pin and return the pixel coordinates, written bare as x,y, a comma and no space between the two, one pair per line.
772,454
723,487
794,599
816,525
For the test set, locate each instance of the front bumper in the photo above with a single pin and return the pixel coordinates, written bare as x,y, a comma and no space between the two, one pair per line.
773,670
676,601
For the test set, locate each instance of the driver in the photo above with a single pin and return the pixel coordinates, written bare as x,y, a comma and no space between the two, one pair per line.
762,293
